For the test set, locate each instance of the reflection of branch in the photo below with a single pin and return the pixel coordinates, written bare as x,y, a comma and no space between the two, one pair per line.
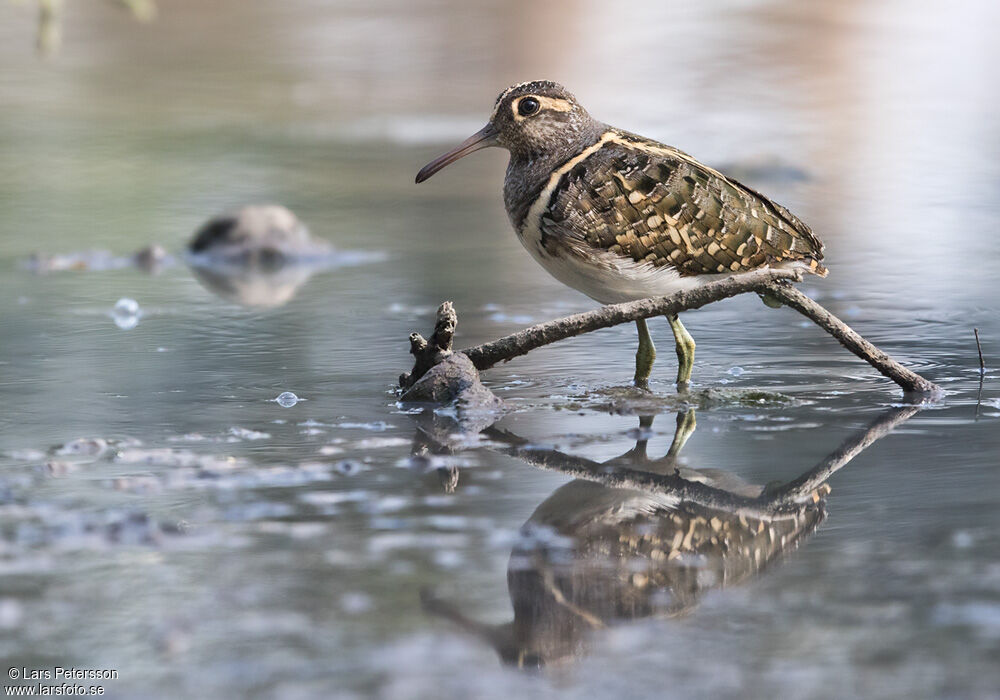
770,505
624,478
800,488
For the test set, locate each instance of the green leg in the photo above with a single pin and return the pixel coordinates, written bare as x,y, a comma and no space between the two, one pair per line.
686,424
685,353
644,356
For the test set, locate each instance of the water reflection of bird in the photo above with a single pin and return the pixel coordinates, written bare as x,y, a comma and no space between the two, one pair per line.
594,556
621,217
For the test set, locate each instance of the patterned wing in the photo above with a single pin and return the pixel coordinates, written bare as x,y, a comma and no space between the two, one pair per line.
653,203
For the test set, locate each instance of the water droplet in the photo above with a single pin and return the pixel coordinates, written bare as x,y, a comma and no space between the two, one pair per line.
287,399
126,306
126,313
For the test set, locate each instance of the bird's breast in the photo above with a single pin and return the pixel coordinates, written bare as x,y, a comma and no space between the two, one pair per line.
604,276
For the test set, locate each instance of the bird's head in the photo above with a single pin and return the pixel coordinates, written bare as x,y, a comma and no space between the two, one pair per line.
531,120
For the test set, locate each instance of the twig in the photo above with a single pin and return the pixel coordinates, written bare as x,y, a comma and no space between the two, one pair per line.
982,363
910,382
488,354
774,282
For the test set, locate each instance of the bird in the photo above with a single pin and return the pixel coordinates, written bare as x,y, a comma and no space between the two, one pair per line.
620,217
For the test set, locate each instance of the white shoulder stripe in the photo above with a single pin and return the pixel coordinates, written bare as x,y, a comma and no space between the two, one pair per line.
534,215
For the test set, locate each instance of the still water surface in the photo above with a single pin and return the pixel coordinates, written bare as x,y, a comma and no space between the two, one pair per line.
204,540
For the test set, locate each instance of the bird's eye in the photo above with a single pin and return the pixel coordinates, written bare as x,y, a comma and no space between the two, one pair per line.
527,106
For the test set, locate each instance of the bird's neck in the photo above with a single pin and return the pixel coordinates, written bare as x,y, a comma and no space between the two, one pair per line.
529,173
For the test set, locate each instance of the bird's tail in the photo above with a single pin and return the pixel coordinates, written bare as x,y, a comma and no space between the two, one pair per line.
817,269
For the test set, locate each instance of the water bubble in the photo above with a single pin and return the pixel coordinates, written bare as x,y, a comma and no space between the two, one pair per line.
287,399
126,306
126,313
735,371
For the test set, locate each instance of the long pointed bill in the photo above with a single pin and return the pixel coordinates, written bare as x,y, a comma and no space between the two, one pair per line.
484,138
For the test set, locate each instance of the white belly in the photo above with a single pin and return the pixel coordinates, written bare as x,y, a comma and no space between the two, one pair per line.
612,280
606,277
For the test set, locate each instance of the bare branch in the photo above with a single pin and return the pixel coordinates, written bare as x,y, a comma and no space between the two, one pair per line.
488,354
773,283
910,382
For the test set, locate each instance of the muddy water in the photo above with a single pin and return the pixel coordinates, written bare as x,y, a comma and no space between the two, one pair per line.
162,515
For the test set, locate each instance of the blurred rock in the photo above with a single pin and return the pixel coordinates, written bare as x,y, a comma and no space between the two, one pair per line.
263,235
259,256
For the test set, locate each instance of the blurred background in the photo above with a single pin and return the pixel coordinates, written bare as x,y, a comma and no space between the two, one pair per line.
160,514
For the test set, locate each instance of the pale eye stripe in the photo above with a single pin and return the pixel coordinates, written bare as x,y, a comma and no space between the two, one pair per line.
554,104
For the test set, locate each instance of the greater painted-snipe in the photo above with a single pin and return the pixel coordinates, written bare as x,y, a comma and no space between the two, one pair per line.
621,217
